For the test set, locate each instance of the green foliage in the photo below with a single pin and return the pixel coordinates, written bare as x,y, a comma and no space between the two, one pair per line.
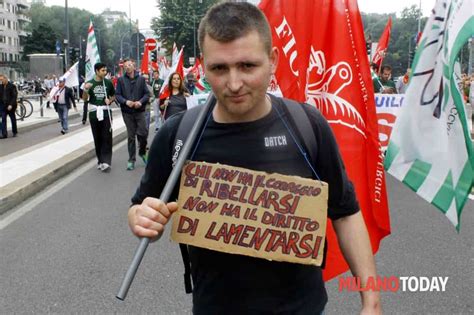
118,42
48,25
177,22
40,41
402,39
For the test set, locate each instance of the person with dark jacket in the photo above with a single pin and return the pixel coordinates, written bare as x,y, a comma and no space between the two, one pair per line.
132,94
8,99
62,100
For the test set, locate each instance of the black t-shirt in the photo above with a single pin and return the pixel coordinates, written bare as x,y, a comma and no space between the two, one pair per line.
177,103
236,284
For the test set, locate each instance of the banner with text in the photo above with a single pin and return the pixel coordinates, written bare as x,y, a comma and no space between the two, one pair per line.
239,211
388,107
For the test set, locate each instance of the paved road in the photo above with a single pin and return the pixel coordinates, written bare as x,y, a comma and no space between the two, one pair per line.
69,250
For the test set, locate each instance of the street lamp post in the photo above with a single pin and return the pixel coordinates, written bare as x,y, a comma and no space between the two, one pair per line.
81,40
194,35
121,45
66,41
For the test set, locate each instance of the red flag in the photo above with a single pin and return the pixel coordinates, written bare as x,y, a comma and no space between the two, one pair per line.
383,44
178,67
322,60
144,65
418,37
196,69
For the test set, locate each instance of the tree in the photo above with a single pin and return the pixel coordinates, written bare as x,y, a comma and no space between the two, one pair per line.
41,40
50,22
119,36
179,22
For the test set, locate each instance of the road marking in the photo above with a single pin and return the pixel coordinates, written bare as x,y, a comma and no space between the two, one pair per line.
22,209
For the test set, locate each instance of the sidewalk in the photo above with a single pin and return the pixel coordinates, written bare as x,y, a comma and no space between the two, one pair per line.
26,172
42,118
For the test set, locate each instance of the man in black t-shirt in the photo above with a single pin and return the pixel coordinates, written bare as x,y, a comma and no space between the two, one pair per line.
239,60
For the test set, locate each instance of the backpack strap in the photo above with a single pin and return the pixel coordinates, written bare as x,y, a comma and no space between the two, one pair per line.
188,286
302,127
299,121
184,128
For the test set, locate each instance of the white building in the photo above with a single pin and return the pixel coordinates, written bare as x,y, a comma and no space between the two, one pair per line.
110,17
13,20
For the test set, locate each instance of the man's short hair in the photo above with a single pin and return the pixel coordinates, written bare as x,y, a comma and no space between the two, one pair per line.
228,21
386,67
129,59
99,66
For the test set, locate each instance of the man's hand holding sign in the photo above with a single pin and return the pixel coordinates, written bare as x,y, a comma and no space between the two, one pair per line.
239,211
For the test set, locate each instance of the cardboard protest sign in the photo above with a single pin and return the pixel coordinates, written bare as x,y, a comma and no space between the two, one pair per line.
239,211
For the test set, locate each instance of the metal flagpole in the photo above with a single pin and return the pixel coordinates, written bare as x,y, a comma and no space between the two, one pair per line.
108,105
419,20
166,193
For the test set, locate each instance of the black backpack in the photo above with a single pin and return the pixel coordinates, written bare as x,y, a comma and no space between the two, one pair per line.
299,125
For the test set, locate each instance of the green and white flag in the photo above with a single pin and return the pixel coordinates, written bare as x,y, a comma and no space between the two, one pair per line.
430,148
92,53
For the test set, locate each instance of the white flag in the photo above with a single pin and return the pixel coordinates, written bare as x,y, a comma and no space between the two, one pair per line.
177,67
175,55
72,79
430,148
92,53
72,75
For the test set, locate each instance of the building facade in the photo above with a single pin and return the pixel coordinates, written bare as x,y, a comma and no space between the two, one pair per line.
13,20
110,17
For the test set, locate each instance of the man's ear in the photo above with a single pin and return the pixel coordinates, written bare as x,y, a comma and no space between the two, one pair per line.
274,59
203,64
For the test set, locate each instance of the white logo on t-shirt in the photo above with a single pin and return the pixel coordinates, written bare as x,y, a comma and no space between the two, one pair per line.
277,141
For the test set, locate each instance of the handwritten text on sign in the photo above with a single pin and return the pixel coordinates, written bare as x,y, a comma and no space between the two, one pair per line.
239,211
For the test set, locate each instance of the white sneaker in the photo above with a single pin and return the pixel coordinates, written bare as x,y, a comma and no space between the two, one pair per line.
99,166
105,167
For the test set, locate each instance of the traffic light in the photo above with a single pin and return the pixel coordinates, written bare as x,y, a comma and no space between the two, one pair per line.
368,47
153,56
73,53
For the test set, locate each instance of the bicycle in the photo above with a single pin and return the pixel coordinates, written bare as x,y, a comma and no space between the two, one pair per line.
24,108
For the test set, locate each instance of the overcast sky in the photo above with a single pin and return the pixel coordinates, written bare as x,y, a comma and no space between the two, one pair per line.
144,10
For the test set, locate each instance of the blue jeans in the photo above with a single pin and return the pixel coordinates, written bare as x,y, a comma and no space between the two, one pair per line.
63,116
